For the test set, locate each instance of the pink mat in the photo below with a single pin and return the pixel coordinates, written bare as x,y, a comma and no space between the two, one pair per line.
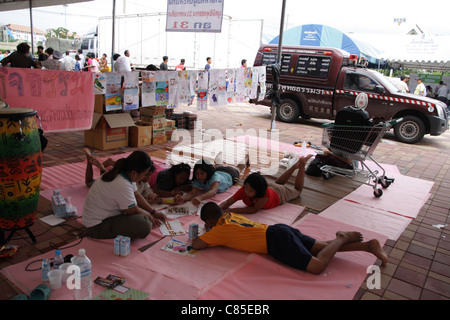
263,278
101,254
358,215
74,173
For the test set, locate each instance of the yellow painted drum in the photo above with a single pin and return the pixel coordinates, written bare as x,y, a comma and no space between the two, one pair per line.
20,168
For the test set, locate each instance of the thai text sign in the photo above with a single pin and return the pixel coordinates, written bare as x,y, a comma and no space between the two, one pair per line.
194,15
63,100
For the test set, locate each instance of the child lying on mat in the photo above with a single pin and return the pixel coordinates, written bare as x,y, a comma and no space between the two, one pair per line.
114,206
174,180
257,194
283,242
212,179
143,186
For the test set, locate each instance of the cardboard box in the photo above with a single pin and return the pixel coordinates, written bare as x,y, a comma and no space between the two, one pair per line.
99,104
170,124
153,110
159,140
140,135
108,131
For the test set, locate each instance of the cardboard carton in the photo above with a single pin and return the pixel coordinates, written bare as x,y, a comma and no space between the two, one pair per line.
108,131
140,135
99,104
153,110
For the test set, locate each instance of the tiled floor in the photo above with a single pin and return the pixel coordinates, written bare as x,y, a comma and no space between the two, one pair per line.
419,261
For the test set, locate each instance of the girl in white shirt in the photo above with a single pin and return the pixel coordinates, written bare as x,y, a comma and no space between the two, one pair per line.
114,206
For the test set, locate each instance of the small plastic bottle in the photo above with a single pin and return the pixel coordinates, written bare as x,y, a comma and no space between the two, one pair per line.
84,292
58,260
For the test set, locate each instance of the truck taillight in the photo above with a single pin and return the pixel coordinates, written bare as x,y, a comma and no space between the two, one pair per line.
353,57
328,53
267,49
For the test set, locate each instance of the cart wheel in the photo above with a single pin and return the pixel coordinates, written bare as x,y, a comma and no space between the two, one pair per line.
326,175
378,193
385,184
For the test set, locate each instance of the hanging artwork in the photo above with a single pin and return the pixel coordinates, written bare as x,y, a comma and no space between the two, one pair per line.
231,85
183,91
113,98
172,79
99,83
202,92
262,83
240,84
148,88
193,77
248,83
255,83
131,91
162,89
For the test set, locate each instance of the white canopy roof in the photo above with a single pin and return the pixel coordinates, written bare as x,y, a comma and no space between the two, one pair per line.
9,5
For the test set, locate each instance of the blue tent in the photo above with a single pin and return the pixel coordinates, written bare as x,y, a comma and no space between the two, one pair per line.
317,35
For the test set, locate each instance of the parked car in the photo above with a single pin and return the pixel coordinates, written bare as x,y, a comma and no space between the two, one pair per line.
317,82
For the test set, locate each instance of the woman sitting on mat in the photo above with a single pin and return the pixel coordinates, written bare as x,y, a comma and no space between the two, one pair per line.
257,194
174,180
113,205
285,243
211,179
143,186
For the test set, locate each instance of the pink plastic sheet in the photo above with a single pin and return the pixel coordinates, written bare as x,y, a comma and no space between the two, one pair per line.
263,278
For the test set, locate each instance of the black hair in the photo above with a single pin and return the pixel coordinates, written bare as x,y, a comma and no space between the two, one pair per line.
23,48
210,210
116,56
151,67
125,52
138,161
180,168
258,183
49,51
208,58
40,47
165,58
243,61
205,166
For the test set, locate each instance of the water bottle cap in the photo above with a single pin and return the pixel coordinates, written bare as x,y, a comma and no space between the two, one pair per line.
58,252
81,252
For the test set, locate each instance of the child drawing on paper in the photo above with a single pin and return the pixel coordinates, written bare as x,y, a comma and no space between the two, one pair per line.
143,186
212,179
174,180
257,194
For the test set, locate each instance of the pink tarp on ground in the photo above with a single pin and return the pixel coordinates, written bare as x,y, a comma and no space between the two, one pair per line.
264,278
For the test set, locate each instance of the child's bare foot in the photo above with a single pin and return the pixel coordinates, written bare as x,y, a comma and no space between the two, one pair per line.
349,236
301,163
376,249
88,153
109,163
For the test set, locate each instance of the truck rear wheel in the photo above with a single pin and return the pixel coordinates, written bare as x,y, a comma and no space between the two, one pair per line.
410,130
288,111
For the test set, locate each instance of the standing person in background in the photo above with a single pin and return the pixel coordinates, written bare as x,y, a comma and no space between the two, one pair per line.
121,64
163,65
20,58
68,63
442,93
420,89
126,53
77,63
82,58
244,63
181,66
92,63
402,86
208,63
41,55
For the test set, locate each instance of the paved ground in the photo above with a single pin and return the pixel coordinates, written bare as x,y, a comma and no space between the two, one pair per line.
418,261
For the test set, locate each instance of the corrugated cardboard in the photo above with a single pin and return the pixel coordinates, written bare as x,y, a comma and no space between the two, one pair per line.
99,104
109,131
153,110
159,119
140,135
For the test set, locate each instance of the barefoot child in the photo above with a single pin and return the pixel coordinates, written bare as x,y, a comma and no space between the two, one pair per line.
113,205
257,194
285,243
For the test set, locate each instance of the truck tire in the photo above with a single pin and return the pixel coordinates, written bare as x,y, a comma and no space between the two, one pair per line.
288,111
410,130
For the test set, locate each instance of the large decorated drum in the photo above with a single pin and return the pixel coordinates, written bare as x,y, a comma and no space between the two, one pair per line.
20,168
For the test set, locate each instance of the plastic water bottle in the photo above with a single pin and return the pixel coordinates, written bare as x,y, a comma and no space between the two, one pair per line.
303,150
58,260
83,262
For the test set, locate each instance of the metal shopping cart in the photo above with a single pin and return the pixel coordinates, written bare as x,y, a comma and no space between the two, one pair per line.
357,143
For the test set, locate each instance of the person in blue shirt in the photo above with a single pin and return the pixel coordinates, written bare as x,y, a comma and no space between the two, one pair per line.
212,180
77,63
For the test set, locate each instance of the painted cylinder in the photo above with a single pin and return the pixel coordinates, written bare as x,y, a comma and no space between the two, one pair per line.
20,167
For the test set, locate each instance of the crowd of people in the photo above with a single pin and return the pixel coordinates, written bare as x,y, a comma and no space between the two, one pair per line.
441,91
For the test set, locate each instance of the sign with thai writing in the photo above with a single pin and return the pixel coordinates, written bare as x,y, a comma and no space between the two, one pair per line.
194,15
64,100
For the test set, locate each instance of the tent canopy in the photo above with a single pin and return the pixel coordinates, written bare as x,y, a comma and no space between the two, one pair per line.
9,5
324,36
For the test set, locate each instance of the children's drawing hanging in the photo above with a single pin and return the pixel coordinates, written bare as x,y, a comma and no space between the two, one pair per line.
131,91
113,98
148,88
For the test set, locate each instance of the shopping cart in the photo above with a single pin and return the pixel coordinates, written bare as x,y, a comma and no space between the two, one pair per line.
357,143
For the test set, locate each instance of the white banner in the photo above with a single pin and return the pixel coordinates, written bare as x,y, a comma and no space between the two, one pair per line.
194,15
